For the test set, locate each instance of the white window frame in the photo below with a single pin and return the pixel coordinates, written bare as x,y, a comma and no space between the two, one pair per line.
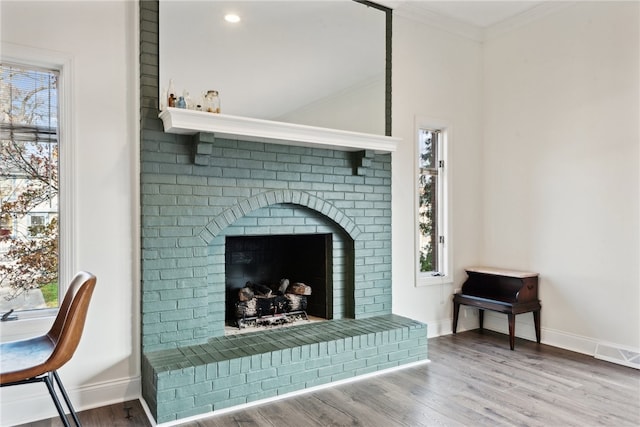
30,321
445,249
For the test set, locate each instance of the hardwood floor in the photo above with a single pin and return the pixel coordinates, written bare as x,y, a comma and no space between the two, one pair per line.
473,380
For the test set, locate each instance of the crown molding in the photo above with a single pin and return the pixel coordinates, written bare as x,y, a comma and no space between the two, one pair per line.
412,10
522,19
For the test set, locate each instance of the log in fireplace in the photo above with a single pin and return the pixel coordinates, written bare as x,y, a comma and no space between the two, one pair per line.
261,274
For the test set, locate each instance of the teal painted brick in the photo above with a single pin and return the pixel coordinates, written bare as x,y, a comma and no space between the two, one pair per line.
189,324
366,353
175,294
229,381
343,357
291,368
328,371
418,351
211,398
398,355
353,365
318,363
275,383
176,273
200,374
256,376
193,390
159,306
167,316
167,411
176,380
242,390
191,303
230,403
157,328
288,158
377,360
304,377
166,395
223,370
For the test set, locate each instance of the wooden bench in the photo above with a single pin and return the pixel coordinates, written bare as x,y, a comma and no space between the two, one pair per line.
503,291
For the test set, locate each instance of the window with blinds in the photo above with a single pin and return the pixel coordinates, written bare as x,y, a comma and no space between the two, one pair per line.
29,171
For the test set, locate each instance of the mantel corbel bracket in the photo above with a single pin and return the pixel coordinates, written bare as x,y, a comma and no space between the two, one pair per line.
202,147
362,161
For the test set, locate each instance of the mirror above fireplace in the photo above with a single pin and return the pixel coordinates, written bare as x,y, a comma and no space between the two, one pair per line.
318,63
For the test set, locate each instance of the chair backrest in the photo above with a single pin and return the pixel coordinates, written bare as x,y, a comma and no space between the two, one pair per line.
67,329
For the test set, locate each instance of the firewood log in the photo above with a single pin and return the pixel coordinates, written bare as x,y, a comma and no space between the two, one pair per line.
245,294
300,289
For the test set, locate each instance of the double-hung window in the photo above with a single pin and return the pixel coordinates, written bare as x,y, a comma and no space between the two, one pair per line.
29,188
433,254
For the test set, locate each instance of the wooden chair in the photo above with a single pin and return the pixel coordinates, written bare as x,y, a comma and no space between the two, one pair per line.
37,359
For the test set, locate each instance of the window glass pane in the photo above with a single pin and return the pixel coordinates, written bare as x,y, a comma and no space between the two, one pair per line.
28,188
427,222
427,158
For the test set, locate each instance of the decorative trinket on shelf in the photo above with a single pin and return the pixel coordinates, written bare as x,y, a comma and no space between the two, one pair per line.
211,102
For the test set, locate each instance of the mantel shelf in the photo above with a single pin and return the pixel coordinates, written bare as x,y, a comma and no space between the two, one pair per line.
189,122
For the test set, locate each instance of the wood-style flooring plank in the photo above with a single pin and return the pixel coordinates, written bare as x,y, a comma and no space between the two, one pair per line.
473,380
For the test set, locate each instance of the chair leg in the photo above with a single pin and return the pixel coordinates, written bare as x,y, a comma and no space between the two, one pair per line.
47,380
66,398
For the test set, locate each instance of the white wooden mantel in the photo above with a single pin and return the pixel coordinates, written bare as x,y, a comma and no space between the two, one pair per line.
189,122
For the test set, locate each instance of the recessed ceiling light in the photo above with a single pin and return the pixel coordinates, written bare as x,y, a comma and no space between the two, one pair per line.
232,17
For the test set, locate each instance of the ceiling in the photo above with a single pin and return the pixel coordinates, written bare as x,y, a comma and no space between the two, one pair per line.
480,13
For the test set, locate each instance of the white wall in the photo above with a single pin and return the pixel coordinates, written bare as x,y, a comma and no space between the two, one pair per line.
356,109
436,75
561,182
100,40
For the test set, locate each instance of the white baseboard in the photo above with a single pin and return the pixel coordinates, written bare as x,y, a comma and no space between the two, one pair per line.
553,337
467,320
611,352
28,403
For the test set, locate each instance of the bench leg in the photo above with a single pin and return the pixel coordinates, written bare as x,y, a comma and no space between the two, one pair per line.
456,310
512,330
536,322
481,318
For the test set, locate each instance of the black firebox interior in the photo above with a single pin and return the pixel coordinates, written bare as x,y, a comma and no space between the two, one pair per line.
266,260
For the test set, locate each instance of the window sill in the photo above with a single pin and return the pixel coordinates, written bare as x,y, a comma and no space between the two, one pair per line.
27,325
425,280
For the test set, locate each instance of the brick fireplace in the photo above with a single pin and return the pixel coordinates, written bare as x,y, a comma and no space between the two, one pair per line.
198,190
250,188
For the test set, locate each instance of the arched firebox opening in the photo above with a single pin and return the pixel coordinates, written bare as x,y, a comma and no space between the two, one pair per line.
281,263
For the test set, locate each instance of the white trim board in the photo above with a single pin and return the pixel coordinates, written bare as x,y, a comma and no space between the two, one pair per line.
19,407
